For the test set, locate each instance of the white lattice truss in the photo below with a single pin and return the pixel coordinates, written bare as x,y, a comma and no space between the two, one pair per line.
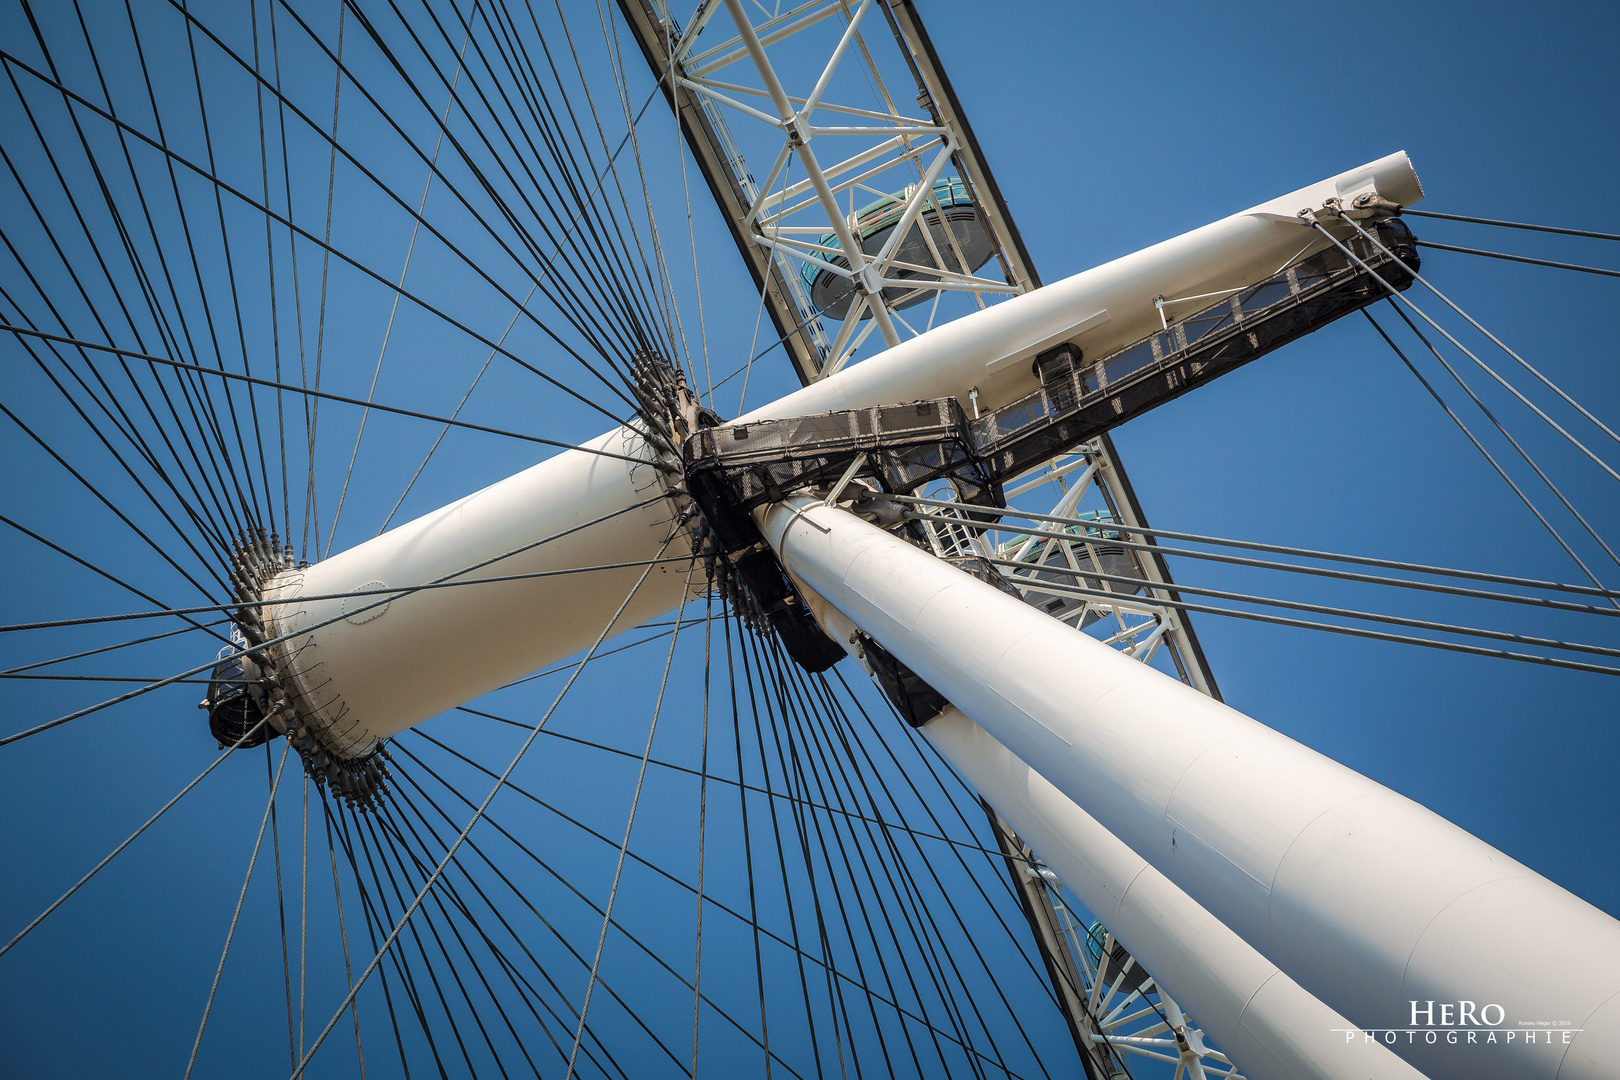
1139,625
793,220
1142,1020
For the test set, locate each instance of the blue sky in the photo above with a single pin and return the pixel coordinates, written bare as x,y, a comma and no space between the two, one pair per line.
1109,128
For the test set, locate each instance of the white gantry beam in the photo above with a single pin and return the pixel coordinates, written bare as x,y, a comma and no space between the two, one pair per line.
1101,309
1365,898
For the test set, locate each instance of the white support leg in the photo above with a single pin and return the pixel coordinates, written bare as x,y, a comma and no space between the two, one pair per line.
1264,1021
1367,899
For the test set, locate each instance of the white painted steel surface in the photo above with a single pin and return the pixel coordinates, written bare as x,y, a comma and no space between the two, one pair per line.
1259,1017
1364,897
436,649
1101,309
373,675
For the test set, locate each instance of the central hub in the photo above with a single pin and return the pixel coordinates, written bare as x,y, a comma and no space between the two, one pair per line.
254,696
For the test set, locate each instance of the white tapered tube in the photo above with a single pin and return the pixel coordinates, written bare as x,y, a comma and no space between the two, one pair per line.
1367,899
365,678
376,672
1259,1017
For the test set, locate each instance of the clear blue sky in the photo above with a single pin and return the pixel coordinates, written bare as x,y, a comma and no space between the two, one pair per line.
1109,127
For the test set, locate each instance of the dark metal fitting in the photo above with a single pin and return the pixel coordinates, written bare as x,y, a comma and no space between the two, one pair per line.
1370,204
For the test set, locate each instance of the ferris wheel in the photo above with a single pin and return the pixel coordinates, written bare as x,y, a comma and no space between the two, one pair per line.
622,471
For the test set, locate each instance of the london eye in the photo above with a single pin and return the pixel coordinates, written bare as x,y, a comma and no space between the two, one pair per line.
596,539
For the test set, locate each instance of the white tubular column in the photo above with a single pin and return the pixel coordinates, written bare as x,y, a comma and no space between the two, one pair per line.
1365,898
1263,1020
360,680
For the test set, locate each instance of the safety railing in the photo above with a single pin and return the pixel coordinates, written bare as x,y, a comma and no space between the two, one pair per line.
1078,402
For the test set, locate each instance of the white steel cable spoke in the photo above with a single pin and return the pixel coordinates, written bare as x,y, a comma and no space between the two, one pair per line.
393,592
1497,424
496,349
1334,628
306,392
1483,366
236,915
691,235
664,297
300,233
312,406
1548,383
275,321
1490,371
759,314
1506,257
1422,624
1281,549
580,895
281,905
109,577
343,935
108,648
438,870
624,846
1511,224
388,331
454,414
1319,571
42,916
703,821
1523,497
565,667
843,978
303,921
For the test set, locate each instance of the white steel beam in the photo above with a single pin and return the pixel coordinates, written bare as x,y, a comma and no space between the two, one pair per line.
359,680
1100,309
1368,900
1265,1022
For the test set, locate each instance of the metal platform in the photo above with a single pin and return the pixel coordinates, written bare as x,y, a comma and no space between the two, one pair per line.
732,470
1080,401
897,449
